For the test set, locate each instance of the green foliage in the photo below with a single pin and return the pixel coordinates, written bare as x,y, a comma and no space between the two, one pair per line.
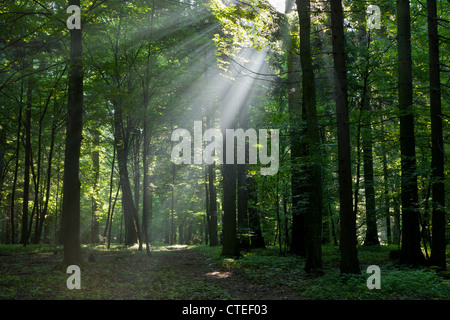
397,283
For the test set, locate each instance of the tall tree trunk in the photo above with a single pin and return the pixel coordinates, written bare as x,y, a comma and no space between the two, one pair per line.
367,146
230,243
298,184
146,197
386,200
16,168
95,231
129,210
137,183
111,182
71,181
212,227
313,217
348,241
410,252
437,144
26,181
48,182
257,240
242,186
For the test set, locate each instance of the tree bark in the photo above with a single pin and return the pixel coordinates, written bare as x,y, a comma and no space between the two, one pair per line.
410,252
242,186
313,216
95,230
230,244
26,181
129,210
348,241
71,181
298,152
437,143
16,168
212,226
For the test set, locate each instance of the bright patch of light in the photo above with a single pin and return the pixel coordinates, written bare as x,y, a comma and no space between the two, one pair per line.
279,5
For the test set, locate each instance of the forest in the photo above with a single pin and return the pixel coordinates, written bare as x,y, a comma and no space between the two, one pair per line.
224,149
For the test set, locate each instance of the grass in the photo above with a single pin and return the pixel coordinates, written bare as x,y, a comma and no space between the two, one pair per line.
37,272
397,282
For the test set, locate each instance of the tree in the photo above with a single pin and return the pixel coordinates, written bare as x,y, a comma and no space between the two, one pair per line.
410,252
74,124
28,151
437,142
313,216
299,194
349,258
229,241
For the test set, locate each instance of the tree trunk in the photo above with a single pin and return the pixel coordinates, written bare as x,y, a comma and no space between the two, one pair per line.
386,200
146,198
242,186
111,182
95,231
230,244
212,227
48,183
410,252
28,151
257,240
137,183
16,168
437,144
313,217
129,209
348,241
71,181
298,183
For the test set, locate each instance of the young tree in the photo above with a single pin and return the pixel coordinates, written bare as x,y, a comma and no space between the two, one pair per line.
349,257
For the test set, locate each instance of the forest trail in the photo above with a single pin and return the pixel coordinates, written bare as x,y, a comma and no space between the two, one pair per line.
169,273
193,265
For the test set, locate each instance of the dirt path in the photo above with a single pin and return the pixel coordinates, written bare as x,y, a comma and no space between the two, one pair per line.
176,272
194,265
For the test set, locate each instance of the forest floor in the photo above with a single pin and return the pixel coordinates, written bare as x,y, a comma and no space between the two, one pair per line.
199,272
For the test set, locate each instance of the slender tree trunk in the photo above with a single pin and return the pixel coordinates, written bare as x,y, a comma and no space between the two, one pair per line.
298,183
26,183
16,168
146,198
212,226
437,144
48,183
95,231
129,209
137,184
37,189
172,208
369,189
386,199
410,252
71,181
111,182
230,243
257,240
242,186
348,241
